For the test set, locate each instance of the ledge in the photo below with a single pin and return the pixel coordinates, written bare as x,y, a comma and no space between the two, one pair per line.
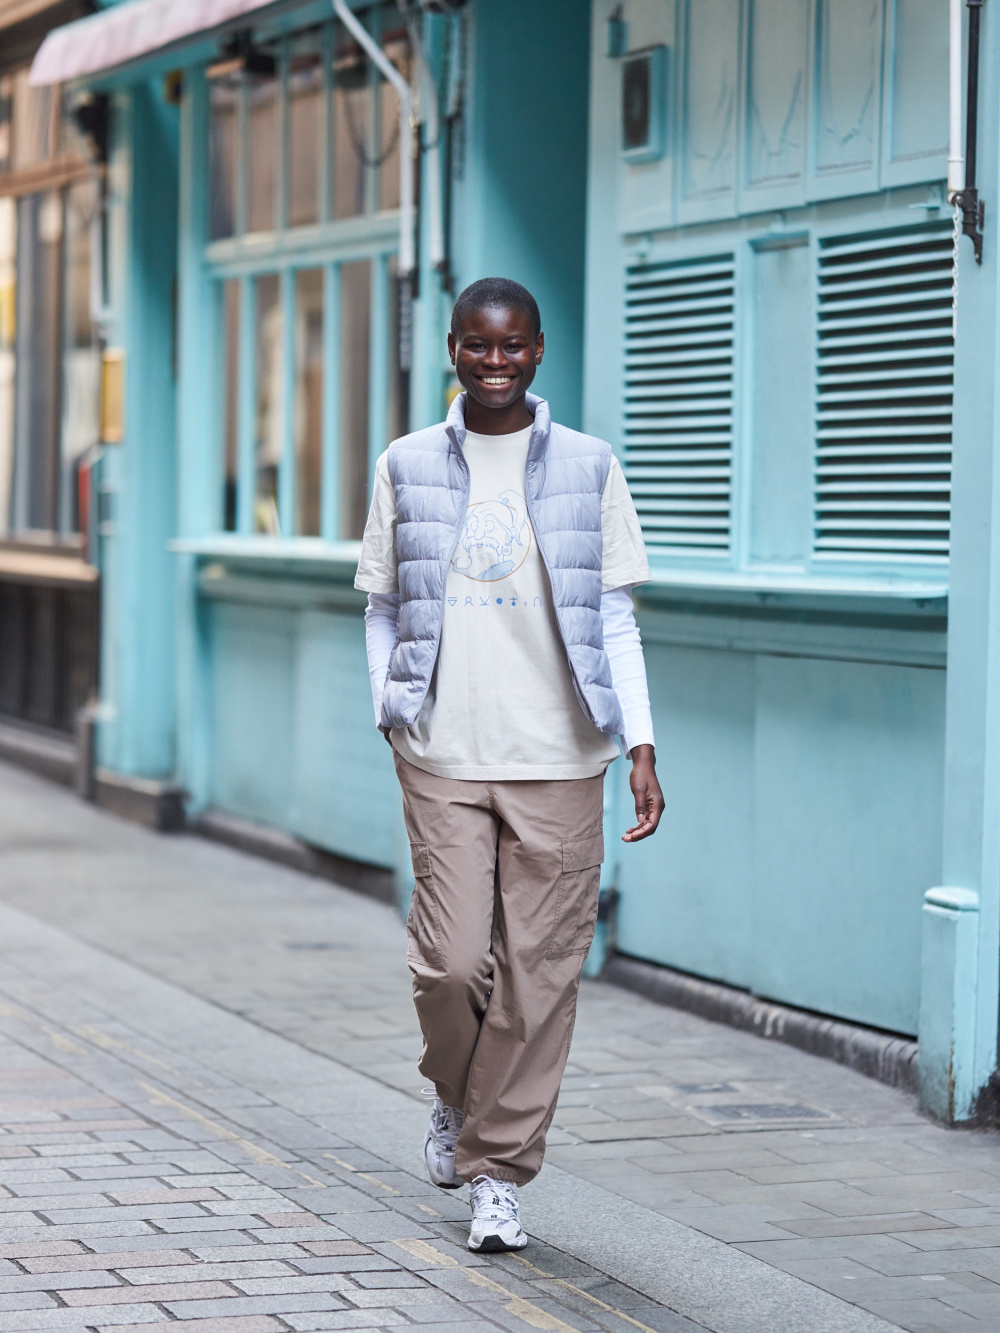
304,557
791,591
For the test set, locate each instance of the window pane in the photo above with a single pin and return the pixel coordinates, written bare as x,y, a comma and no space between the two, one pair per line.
81,357
33,109
231,324
6,121
308,399
352,119
8,303
355,298
262,154
399,54
305,110
224,100
36,397
267,435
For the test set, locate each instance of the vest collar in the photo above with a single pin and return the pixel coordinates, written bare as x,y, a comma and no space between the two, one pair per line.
538,407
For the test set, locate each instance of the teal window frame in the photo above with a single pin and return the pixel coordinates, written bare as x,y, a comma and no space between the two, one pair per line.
326,245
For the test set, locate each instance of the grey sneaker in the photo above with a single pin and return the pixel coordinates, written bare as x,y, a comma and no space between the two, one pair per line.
496,1221
439,1144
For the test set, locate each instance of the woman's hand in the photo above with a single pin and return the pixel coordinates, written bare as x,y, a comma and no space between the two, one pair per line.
649,802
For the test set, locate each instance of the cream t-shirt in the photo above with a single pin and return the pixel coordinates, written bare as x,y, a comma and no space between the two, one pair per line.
502,703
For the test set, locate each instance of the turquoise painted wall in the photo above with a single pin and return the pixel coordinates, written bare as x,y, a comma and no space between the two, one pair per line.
521,205
139,476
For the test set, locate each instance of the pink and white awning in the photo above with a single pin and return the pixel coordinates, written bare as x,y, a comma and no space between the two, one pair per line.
130,32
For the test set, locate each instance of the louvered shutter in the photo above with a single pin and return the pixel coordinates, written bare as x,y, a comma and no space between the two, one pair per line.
884,395
678,427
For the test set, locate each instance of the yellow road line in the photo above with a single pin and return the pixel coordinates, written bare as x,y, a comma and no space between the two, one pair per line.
260,1155
363,1175
526,1310
561,1281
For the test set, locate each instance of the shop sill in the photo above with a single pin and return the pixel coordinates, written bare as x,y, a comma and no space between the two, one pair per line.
793,591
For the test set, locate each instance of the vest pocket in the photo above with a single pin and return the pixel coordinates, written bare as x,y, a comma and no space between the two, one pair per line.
576,896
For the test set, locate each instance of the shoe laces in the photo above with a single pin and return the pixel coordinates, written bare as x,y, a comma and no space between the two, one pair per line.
446,1122
494,1199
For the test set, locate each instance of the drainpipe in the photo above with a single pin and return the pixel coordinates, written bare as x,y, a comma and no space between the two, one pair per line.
962,190
407,211
429,111
956,160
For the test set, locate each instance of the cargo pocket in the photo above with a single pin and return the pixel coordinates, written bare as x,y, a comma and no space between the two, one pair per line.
422,920
576,896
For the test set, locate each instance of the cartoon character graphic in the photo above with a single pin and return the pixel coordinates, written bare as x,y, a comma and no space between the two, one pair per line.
494,540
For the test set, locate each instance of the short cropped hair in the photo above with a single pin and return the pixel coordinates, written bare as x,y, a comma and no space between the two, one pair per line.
499,292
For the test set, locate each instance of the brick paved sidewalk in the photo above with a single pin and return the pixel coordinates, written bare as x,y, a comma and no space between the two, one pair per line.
210,1060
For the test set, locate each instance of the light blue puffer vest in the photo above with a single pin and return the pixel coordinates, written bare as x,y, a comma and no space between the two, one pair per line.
564,480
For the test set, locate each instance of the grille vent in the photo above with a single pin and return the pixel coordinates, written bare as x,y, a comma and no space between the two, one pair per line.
884,395
679,402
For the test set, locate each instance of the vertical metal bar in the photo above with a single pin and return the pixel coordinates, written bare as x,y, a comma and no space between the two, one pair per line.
286,464
325,164
330,525
283,118
378,361
373,173
246,478
242,173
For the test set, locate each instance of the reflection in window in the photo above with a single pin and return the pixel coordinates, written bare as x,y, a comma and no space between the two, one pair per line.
8,302
36,411
305,111
355,371
267,433
263,153
308,400
224,116
33,121
352,119
6,121
231,342
81,357
399,54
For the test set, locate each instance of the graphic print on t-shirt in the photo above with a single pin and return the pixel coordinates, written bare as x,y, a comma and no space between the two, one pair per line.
495,538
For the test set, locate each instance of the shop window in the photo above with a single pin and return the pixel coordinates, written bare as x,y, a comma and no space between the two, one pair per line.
311,384
678,428
49,359
885,358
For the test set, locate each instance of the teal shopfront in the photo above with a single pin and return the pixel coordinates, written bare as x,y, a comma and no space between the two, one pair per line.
735,216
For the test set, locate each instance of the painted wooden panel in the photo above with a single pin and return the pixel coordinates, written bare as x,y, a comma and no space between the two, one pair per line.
849,759
252,705
917,89
780,465
686,894
346,795
711,89
777,89
847,81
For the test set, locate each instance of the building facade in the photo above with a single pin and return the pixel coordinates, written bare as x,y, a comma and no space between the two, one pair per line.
734,215
49,373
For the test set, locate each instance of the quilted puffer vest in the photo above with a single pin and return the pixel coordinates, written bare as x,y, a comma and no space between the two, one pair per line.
564,480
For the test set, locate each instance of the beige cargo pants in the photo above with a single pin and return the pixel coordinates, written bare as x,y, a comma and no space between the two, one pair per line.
502,916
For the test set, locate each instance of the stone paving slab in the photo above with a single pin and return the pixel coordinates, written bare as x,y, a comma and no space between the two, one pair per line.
208,1059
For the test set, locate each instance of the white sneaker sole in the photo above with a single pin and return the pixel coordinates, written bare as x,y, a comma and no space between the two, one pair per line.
495,1244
